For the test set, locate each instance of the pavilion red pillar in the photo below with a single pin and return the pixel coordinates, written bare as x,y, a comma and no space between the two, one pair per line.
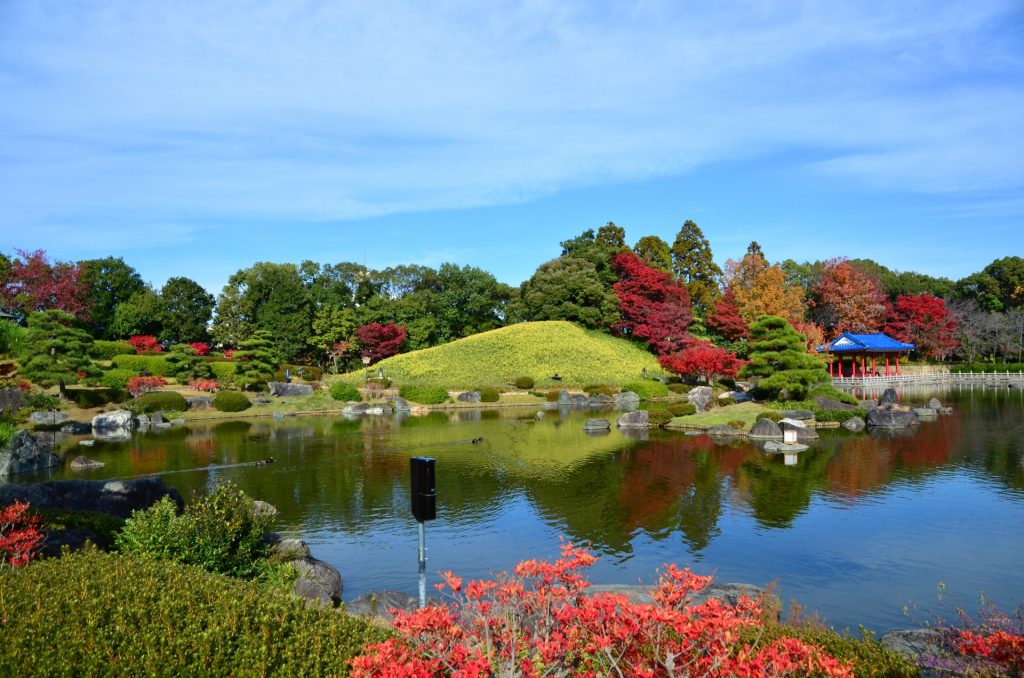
887,364
874,371
897,364
863,364
830,360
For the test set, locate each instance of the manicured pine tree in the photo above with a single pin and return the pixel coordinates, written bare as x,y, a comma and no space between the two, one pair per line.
779,358
186,363
693,265
55,350
256,359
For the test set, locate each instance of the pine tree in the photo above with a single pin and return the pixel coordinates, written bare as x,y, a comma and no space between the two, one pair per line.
186,363
779,357
55,350
655,252
256,358
693,265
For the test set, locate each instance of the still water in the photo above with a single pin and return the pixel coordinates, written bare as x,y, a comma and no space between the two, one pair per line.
860,527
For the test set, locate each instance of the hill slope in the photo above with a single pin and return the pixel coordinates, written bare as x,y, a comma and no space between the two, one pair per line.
538,350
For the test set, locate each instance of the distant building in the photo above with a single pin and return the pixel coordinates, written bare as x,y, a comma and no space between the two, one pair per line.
860,347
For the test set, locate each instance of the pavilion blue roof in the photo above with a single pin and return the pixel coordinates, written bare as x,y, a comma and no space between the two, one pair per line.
848,342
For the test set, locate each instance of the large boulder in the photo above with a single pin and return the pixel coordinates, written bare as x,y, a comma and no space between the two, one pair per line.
287,390
889,397
765,429
855,424
699,397
24,454
50,417
597,425
634,419
890,418
117,497
83,463
468,397
627,400
199,402
401,405
600,400
833,404
113,420
317,581
12,399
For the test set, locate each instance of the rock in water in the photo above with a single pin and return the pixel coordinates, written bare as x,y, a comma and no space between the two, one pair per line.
24,454
597,425
468,397
284,389
765,429
627,400
317,581
81,463
111,420
884,417
935,404
889,397
635,419
855,424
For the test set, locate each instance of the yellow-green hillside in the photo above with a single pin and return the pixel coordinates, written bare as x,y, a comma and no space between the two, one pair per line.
537,350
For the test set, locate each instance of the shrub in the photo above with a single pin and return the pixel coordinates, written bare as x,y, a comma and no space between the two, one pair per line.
231,401
727,382
678,388
771,415
658,417
838,415
222,369
204,385
200,347
140,385
159,401
425,395
116,378
598,389
647,389
489,394
725,402
164,619
37,400
154,364
97,397
106,350
222,533
737,424
379,383
145,342
7,431
552,396
345,392
524,383
20,538
682,409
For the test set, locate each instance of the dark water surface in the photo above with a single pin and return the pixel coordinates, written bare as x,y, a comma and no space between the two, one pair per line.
861,526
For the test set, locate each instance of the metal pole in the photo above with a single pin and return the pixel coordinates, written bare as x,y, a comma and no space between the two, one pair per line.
423,565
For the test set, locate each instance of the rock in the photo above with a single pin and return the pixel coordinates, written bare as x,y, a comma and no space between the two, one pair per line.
87,443
262,508
142,420
935,404
287,548
199,402
50,418
468,397
744,385
113,420
317,581
926,413
563,397
74,539
157,418
117,497
356,408
285,390
738,396
76,428
82,463
600,400
634,419
260,400
699,397
578,400
889,397
112,435
378,604
765,429
162,425
799,415
723,431
540,415
868,404
376,409
855,424
945,410
12,399
24,454
627,400
776,446
277,415
920,643
400,405
833,404
885,417
177,422
597,425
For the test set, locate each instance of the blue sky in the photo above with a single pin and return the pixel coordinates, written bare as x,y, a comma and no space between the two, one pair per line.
197,138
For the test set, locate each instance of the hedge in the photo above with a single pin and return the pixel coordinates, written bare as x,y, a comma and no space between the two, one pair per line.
598,389
647,389
682,409
154,364
110,614
424,395
106,350
345,392
524,383
87,398
159,401
231,401
116,378
658,417
223,369
489,394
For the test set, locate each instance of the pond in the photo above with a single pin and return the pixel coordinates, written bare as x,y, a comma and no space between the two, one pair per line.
859,527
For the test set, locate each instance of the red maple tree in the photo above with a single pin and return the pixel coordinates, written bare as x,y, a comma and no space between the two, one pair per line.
847,299
923,320
145,342
35,284
651,305
201,347
726,318
703,361
379,341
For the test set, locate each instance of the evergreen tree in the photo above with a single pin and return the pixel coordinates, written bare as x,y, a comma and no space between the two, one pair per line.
567,288
779,358
109,282
612,237
693,265
141,314
55,350
186,364
655,252
187,310
256,358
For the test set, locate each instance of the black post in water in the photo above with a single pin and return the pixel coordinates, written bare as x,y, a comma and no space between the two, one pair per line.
424,508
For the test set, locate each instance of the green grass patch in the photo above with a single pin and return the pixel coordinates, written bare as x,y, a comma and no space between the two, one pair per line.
746,413
540,349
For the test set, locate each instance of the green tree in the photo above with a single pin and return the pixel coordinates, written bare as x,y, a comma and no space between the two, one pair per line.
612,237
693,265
109,282
256,359
343,285
331,332
186,363
567,288
142,313
54,349
598,250
655,252
779,359
980,288
187,310
1008,273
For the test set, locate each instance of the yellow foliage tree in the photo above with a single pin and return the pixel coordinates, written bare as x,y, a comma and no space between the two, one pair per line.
760,289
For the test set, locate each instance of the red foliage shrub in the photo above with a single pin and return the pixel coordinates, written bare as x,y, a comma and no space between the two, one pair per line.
1002,648
651,305
204,385
726,318
144,342
702,360
200,347
538,621
139,385
377,341
228,353
20,537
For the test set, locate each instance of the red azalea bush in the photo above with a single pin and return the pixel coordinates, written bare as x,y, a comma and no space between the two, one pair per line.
538,621
228,353
200,347
204,385
991,644
20,537
145,342
139,385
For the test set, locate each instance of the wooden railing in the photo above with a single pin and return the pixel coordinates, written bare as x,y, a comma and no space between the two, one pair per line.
968,378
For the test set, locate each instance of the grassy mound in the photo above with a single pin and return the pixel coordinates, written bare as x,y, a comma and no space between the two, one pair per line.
537,350
93,614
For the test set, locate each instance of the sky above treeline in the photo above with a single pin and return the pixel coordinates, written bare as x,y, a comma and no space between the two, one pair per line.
196,138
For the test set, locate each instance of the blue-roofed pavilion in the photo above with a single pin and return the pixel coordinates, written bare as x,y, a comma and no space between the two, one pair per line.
859,347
